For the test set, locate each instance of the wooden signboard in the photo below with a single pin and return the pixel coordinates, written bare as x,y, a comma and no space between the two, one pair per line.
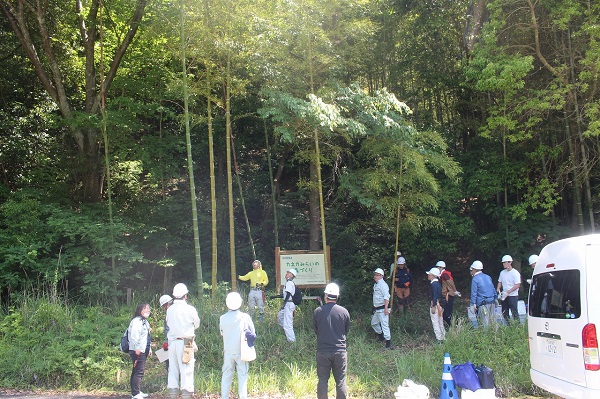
310,265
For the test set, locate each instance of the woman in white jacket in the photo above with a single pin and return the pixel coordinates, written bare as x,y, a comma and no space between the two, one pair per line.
139,347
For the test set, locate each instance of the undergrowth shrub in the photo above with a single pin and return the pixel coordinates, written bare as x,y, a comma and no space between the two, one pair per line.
49,344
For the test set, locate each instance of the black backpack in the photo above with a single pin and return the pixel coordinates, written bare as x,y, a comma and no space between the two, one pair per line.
297,297
124,345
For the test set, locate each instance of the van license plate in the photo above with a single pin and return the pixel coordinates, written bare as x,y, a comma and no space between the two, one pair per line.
552,348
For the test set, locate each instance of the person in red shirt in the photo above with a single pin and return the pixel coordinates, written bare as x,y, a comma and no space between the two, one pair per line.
448,292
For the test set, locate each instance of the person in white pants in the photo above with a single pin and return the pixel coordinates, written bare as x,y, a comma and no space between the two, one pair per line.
182,320
285,317
381,311
435,309
232,325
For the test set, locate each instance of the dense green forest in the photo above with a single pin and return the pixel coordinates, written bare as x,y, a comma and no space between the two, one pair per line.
447,129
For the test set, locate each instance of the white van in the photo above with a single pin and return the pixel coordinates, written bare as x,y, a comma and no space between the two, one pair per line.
563,315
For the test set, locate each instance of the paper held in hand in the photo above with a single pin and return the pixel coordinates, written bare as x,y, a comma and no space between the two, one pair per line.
162,355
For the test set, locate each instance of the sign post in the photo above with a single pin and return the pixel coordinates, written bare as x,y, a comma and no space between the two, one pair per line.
312,272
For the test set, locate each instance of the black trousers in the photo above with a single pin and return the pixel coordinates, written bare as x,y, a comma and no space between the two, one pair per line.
448,309
138,371
511,303
336,363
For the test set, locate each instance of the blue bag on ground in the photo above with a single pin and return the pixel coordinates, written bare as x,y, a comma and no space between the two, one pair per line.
465,377
486,377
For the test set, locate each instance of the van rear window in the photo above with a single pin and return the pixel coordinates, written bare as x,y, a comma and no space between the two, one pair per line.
555,295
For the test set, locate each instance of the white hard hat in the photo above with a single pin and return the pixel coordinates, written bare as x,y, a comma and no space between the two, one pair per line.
507,258
332,290
293,271
398,253
379,270
164,299
401,260
179,290
477,265
435,271
233,301
533,259
440,263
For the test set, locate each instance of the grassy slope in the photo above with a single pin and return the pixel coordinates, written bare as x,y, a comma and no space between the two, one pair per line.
51,345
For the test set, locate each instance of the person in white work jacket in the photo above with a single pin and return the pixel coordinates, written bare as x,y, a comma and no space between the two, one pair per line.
285,316
182,320
232,325
381,311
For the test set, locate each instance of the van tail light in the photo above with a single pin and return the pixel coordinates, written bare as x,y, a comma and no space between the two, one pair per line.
590,347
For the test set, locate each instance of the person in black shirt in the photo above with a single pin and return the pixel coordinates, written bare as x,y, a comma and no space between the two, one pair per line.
331,323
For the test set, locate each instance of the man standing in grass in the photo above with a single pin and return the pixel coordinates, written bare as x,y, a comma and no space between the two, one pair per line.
331,323
448,292
232,325
483,295
381,312
285,316
435,309
509,283
258,281
182,320
402,283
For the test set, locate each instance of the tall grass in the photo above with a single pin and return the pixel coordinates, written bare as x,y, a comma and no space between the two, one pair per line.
47,344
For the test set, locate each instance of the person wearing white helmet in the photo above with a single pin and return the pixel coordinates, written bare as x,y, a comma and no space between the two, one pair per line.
285,316
436,312
402,284
380,322
182,320
509,283
448,292
258,281
232,326
331,323
532,262
165,301
483,295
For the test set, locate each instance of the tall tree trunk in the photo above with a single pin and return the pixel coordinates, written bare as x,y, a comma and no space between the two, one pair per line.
190,161
28,20
213,191
314,242
230,179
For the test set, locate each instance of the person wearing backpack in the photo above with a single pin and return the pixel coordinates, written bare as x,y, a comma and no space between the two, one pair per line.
139,347
285,317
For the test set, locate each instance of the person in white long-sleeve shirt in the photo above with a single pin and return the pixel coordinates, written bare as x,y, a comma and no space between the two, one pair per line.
285,316
381,311
182,320
138,334
232,325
